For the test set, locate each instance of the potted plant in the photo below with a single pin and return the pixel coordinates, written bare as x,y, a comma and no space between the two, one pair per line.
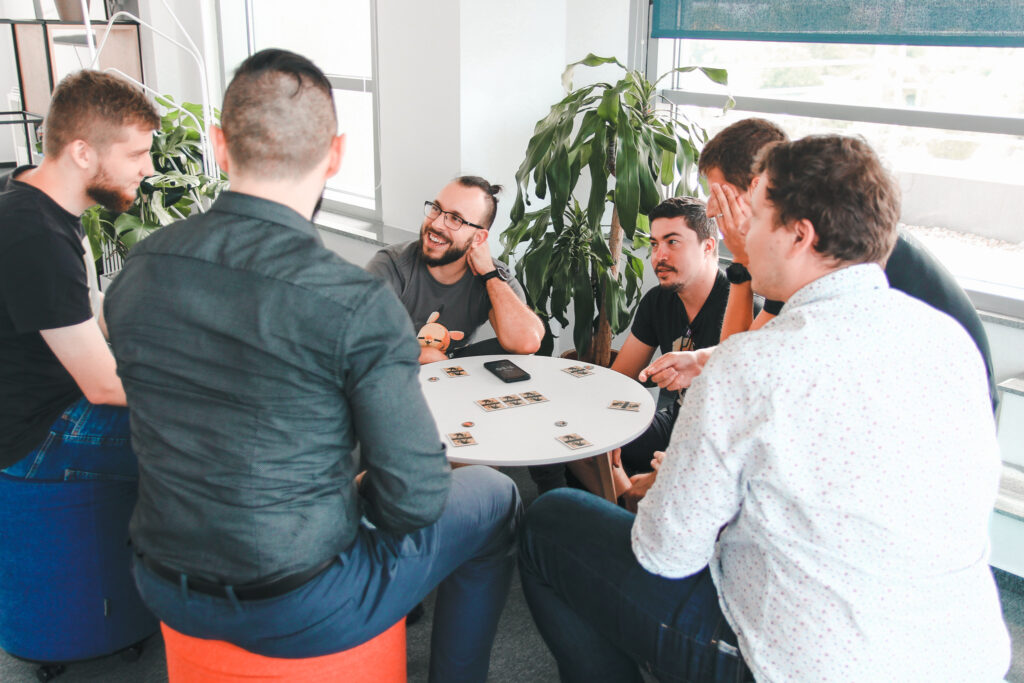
179,188
634,153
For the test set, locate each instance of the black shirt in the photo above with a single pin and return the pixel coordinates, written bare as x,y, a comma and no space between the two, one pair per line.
253,360
913,269
43,286
661,321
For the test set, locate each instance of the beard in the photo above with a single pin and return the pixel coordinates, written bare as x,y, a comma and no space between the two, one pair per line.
103,191
452,254
672,287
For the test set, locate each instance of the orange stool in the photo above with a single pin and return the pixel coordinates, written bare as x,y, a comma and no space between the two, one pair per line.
195,660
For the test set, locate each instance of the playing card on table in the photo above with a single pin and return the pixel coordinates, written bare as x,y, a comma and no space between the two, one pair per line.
574,441
460,439
631,406
578,370
533,397
513,400
456,371
491,404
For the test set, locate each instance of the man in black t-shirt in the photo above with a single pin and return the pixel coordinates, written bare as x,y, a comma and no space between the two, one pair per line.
683,313
59,389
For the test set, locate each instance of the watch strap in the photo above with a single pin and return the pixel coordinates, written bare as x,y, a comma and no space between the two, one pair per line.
737,273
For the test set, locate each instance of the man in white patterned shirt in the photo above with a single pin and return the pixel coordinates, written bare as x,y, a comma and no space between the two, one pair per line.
824,501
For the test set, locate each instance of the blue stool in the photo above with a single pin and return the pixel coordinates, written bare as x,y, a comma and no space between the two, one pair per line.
66,592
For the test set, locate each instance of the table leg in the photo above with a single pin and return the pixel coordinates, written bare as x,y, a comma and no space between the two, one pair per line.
606,476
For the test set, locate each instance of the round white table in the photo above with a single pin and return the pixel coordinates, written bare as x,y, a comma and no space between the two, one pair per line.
527,434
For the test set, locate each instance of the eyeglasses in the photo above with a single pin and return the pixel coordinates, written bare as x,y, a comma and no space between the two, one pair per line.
451,221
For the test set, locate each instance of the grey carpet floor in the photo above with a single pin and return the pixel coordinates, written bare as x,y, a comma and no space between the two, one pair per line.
519,654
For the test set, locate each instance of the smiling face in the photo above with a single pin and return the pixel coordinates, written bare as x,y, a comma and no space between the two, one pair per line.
677,253
441,245
120,167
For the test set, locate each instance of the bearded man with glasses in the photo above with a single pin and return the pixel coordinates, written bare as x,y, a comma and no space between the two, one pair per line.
449,270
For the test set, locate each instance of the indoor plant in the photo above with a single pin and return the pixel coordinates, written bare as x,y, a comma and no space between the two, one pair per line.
602,131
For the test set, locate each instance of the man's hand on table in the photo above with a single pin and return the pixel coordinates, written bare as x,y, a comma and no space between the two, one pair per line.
676,369
429,354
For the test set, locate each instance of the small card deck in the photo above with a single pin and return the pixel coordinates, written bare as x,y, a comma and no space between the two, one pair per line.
533,397
578,370
460,439
456,371
573,441
491,404
631,406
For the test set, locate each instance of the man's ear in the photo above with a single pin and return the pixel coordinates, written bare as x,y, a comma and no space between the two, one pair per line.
804,235
220,149
81,153
480,236
335,155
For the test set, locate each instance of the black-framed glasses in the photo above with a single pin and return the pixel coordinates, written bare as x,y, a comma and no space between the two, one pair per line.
452,221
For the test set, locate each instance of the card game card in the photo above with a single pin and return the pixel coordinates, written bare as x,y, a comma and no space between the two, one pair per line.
456,371
533,397
574,441
491,404
513,400
460,439
631,406
578,370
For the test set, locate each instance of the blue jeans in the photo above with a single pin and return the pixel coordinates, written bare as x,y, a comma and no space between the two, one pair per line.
602,614
86,442
469,551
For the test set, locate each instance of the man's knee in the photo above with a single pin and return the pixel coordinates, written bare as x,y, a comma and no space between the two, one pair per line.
492,495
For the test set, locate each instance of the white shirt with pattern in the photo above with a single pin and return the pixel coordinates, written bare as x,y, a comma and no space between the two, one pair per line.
850,449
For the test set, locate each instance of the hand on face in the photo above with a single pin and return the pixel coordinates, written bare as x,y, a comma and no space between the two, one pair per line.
479,258
731,212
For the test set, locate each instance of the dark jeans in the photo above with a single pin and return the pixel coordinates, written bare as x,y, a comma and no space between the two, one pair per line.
86,442
469,551
602,614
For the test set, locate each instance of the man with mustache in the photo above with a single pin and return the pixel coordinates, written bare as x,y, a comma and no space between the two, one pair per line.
683,313
450,270
61,401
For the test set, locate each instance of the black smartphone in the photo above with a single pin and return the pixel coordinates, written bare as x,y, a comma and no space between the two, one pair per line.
506,371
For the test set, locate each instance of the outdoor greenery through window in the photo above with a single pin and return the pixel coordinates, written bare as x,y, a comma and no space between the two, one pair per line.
949,121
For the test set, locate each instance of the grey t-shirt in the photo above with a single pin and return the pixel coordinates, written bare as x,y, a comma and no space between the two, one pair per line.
462,306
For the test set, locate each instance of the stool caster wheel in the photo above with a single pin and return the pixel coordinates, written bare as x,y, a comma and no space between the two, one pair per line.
132,653
47,672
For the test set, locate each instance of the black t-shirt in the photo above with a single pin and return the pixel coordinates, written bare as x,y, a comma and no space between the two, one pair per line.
43,285
913,269
661,321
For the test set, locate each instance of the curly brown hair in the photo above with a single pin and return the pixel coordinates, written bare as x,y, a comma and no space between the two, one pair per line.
838,183
94,106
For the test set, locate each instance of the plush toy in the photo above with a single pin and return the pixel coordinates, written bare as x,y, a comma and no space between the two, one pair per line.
436,335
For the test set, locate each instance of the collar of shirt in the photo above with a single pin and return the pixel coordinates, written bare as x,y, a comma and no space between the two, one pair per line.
265,210
859,277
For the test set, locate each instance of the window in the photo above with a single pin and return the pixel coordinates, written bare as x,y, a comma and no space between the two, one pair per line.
340,39
949,121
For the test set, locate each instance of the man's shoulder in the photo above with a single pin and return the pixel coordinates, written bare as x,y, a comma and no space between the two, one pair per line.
27,216
404,255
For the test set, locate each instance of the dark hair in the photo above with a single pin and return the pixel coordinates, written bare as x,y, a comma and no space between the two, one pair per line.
490,190
693,210
839,185
733,150
278,116
94,106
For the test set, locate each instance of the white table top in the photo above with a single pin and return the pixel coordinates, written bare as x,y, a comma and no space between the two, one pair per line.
526,434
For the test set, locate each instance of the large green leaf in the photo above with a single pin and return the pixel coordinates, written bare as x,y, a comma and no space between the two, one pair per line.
598,179
627,177
583,310
589,60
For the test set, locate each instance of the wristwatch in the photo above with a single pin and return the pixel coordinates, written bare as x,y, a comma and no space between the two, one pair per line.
498,272
737,274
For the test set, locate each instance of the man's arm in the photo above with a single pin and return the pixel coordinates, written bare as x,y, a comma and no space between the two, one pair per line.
698,487
518,329
407,475
83,352
633,357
